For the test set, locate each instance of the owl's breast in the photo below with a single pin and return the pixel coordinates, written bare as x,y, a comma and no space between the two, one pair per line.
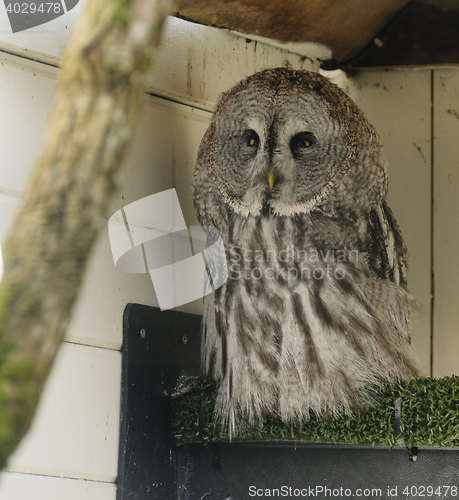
300,324
285,251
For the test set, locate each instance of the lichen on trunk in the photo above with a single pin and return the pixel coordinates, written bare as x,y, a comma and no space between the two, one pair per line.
100,88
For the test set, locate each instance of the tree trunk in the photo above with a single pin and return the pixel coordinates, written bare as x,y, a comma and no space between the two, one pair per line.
101,85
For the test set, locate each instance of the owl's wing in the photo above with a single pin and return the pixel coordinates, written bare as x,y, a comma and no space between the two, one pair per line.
388,253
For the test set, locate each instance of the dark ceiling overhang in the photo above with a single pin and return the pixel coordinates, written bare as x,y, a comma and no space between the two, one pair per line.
359,33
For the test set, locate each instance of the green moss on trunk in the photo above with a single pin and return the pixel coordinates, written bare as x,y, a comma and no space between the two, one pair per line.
100,88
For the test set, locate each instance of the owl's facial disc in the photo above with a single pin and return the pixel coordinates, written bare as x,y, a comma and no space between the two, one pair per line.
277,152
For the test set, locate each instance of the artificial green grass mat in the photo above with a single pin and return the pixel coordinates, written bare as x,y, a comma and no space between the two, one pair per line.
430,417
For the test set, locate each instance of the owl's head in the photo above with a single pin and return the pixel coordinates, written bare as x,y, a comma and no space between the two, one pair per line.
286,142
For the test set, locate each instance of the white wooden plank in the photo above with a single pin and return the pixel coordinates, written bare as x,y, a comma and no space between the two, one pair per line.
98,312
196,63
162,157
14,486
446,223
182,39
163,153
27,92
398,104
75,431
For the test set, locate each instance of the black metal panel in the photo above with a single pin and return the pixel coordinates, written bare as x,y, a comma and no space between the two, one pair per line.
320,471
155,353
158,346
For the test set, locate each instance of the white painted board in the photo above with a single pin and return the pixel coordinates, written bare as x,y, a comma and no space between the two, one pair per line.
14,486
162,157
446,223
196,63
27,90
97,317
75,431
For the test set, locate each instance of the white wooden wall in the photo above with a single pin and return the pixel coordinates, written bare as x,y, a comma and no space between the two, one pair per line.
398,104
71,449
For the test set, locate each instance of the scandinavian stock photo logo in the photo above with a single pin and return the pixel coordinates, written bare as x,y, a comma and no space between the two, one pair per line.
150,236
28,14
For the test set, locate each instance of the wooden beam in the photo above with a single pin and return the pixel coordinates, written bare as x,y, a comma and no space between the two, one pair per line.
345,26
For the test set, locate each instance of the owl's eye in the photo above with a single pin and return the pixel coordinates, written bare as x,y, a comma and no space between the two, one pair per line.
252,138
301,141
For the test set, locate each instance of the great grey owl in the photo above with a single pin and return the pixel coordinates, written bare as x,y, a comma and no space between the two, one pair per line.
315,308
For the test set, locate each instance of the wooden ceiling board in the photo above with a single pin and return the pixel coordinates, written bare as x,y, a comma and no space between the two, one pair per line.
345,26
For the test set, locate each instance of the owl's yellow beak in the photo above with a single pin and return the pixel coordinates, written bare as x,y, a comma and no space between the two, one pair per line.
271,177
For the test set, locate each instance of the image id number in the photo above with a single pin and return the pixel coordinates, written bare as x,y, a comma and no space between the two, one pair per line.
32,8
430,491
